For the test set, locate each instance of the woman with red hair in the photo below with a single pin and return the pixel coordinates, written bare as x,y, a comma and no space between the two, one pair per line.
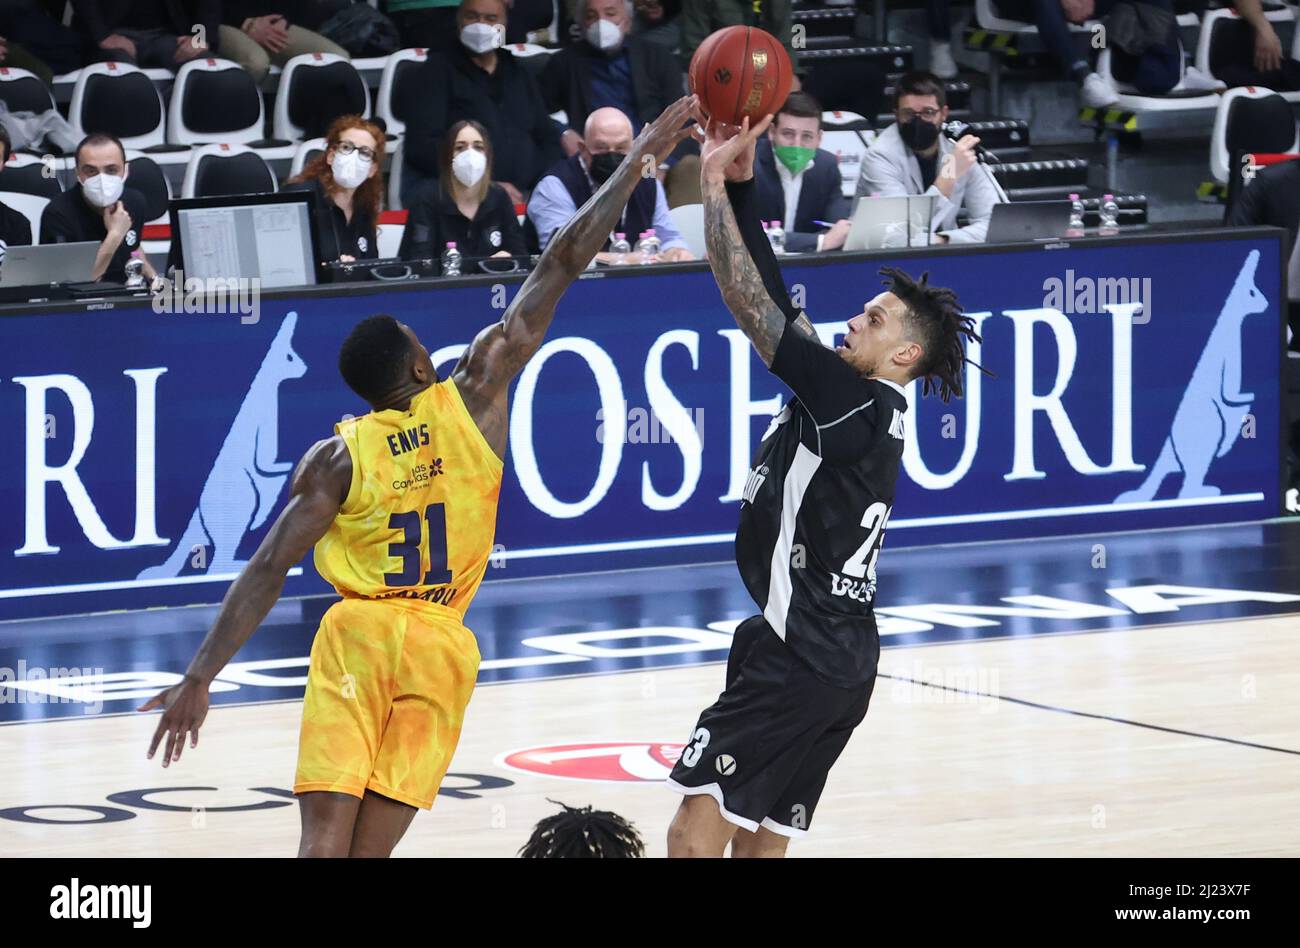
349,186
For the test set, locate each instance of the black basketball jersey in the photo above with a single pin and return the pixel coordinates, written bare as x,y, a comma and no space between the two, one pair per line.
816,505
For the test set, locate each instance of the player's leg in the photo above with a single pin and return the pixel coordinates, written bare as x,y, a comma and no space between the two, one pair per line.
761,845
327,823
699,830
435,678
381,822
747,746
350,682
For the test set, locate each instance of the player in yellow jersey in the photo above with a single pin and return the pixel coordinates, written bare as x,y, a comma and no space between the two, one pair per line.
401,508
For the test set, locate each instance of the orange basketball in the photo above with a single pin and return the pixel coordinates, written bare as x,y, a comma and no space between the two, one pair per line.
740,71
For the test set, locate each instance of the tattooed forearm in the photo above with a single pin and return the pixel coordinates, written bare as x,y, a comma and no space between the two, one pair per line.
738,279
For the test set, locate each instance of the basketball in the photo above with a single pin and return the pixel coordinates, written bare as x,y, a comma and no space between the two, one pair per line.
739,72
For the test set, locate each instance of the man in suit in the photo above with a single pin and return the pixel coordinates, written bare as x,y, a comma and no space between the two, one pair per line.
610,68
798,183
912,156
1273,199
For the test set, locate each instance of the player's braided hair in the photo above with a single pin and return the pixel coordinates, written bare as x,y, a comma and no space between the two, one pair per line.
935,319
584,833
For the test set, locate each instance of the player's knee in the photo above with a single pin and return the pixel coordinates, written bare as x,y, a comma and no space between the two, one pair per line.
322,847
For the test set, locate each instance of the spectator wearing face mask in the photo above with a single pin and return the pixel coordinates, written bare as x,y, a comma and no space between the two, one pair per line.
478,80
349,189
913,157
464,205
99,207
607,138
798,183
609,68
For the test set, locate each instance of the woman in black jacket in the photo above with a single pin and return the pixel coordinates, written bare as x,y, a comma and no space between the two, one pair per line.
464,205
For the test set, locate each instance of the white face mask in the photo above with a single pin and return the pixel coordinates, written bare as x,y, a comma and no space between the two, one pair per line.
482,37
103,190
605,35
350,170
468,167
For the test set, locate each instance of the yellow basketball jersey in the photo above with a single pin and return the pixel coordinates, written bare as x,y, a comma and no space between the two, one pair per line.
420,514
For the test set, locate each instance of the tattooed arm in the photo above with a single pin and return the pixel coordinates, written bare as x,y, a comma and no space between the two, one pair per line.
496,355
741,257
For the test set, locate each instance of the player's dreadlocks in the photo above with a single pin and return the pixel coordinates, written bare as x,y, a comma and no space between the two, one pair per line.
584,833
935,318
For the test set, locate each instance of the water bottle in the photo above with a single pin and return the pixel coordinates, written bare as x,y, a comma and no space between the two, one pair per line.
135,271
620,248
1109,214
1076,217
652,246
451,260
776,236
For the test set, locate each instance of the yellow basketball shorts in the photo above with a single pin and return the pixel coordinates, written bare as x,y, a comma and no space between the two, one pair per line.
386,694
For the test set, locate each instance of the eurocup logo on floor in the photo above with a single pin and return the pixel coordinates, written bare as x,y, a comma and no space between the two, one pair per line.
602,761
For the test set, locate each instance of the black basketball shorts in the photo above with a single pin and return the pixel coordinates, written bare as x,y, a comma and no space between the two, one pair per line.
763,750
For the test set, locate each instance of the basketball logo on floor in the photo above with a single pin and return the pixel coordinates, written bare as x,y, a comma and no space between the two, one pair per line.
725,764
603,761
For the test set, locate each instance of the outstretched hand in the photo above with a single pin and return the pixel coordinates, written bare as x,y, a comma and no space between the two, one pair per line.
727,152
186,707
661,136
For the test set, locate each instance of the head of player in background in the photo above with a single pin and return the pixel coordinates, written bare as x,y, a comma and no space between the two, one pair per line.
605,23
383,361
921,108
102,169
606,140
911,330
796,132
584,833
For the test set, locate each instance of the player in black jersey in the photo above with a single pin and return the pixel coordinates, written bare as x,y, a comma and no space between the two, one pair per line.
812,520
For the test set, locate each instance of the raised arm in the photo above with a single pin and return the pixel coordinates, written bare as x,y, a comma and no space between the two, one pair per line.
496,355
742,260
319,486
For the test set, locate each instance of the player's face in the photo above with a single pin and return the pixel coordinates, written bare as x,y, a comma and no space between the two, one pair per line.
422,366
874,335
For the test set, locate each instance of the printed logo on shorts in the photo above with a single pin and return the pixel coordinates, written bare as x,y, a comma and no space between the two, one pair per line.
725,764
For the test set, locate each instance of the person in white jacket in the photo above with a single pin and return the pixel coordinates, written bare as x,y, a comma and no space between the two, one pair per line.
912,156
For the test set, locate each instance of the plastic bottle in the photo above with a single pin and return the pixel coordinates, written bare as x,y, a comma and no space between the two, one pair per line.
1076,217
620,248
451,260
1109,214
777,238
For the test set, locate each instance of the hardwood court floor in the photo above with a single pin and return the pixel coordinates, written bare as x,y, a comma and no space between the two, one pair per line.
935,770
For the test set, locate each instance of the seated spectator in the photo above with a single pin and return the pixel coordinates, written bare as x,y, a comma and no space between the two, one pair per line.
150,34
256,33
796,182
609,68
15,228
912,157
463,204
1263,63
607,138
99,207
530,20
659,22
427,24
702,17
583,833
31,39
478,80
349,188
1273,199
1153,71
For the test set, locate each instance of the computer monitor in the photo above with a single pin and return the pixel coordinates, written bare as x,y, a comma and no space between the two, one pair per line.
270,237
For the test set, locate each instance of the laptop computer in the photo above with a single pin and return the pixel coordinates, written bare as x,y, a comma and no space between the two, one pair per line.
881,223
1022,221
44,264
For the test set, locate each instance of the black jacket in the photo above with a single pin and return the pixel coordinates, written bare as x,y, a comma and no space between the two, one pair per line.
335,234
656,80
1273,198
15,228
68,219
435,219
507,102
821,197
